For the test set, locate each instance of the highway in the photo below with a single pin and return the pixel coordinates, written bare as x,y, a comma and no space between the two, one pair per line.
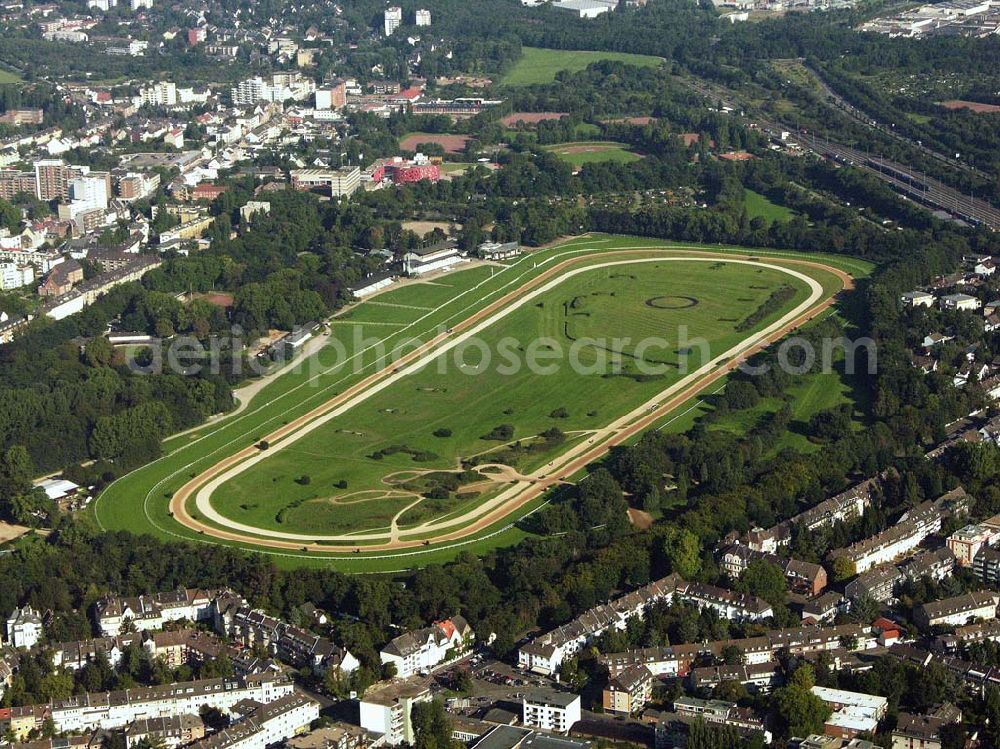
865,119
917,186
913,184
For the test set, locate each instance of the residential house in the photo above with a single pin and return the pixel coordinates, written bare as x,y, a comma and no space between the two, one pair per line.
423,649
265,725
803,577
897,540
958,610
386,708
549,710
546,653
758,677
918,299
24,628
149,612
61,279
177,730
628,691
966,542
962,302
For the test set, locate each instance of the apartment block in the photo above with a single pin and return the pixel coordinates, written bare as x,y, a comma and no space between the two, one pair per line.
628,691
386,707
958,610
549,710
966,542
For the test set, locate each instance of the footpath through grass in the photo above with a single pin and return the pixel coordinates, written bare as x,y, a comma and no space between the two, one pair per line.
537,65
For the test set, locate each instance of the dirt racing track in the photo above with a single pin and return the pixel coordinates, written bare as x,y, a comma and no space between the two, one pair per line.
194,497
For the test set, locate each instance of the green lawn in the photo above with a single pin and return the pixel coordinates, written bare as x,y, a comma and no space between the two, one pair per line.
760,206
538,65
591,152
138,501
8,77
606,305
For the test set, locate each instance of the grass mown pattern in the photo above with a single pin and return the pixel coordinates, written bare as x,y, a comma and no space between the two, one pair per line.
138,502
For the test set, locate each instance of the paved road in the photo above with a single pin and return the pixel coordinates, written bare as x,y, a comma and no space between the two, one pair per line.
865,119
923,189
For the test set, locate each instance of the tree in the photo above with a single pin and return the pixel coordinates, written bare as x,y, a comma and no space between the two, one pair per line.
799,711
843,568
764,580
683,552
431,725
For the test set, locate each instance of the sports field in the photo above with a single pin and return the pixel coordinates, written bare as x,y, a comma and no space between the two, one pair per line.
538,65
375,455
592,152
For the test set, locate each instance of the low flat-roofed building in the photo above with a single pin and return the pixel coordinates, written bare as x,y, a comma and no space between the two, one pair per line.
338,735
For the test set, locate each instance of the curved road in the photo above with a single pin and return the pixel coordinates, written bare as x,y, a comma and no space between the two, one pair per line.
518,495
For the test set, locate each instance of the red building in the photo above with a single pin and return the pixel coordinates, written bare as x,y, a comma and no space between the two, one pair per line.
197,35
207,191
407,172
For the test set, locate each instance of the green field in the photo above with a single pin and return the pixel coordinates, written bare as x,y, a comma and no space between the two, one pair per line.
592,152
7,76
138,501
761,206
708,299
538,65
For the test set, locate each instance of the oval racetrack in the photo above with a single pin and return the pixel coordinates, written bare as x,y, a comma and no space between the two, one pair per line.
198,490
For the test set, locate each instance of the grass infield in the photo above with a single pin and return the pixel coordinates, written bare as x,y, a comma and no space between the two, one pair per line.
406,413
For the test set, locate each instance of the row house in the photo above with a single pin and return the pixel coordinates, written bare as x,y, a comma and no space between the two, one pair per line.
803,577
958,610
974,675
894,542
879,584
676,660
760,677
115,614
423,649
988,631
294,645
106,710
843,507
266,725
547,652
672,728
726,603
177,730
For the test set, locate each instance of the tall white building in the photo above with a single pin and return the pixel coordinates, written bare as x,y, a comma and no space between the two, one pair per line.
393,19
15,275
162,94
385,708
423,17
549,710
24,627
139,4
